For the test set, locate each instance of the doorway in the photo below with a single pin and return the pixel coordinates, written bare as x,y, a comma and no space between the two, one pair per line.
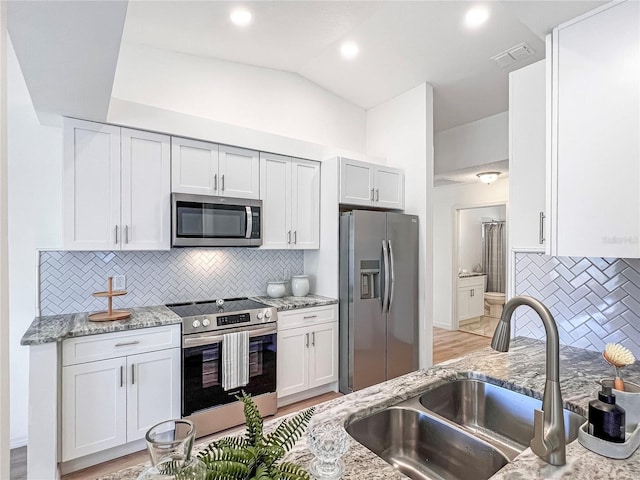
479,268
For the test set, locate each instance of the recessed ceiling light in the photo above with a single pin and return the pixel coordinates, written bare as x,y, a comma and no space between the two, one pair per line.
476,16
241,17
349,50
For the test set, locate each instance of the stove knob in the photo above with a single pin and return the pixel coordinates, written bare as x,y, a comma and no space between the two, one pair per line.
206,322
259,315
267,314
196,323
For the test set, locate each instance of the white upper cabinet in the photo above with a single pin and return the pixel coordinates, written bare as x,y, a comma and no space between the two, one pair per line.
194,166
527,157
290,193
116,188
239,171
371,185
595,134
206,168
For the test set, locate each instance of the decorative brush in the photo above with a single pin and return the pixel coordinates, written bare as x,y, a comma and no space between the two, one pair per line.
618,356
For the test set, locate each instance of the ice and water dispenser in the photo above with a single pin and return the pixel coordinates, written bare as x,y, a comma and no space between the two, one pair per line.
369,278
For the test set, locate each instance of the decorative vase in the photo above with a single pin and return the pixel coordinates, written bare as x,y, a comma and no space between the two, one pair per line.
328,443
276,288
300,285
169,444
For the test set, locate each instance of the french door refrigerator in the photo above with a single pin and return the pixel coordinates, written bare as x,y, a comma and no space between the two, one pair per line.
378,297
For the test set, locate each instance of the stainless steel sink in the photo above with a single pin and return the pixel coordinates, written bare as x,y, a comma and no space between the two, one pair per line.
460,430
502,417
422,446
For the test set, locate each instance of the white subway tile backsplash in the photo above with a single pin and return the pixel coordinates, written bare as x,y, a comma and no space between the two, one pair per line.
67,279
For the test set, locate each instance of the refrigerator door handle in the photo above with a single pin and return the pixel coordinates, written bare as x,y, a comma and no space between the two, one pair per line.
393,277
385,291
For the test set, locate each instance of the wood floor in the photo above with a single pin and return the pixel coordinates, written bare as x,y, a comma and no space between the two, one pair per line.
446,345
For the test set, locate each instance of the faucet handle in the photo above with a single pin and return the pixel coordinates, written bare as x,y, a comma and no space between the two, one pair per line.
538,443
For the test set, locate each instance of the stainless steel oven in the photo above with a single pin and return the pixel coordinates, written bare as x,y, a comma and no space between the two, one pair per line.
210,221
204,325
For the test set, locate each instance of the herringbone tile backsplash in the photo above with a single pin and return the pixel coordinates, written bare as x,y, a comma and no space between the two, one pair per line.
595,301
67,279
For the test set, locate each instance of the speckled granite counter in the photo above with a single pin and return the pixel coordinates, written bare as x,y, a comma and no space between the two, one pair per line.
521,369
292,303
55,328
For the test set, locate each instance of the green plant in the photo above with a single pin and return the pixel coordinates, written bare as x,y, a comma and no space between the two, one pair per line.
256,456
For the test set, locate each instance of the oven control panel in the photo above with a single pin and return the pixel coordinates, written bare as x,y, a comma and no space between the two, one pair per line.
233,319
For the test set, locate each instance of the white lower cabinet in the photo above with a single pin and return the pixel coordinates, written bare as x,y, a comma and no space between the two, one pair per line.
470,297
114,401
307,349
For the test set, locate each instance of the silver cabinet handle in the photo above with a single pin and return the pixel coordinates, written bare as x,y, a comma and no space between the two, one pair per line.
121,376
126,234
222,183
295,237
372,193
313,339
289,237
215,181
542,217
377,194
385,293
124,344
310,316
306,342
133,373
116,234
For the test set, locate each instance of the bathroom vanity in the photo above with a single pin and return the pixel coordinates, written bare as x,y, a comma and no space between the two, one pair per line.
470,296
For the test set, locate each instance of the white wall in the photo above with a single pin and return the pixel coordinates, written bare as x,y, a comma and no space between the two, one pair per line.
35,220
257,98
445,202
470,233
401,130
475,143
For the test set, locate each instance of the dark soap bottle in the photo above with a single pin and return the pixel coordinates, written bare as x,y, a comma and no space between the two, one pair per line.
606,419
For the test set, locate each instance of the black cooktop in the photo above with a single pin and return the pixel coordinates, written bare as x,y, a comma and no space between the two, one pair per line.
210,307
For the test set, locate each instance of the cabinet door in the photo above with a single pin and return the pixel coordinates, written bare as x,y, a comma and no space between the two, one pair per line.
323,357
146,190
305,204
527,156
91,186
275,193
596,134
462,301
194,167
153,390
94,399
293,361
389,188
356,182
239,170
476,302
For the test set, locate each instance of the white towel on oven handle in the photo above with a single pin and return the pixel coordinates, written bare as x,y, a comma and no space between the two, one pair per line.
235,360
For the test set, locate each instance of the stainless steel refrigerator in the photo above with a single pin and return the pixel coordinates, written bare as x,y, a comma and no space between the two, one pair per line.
378,297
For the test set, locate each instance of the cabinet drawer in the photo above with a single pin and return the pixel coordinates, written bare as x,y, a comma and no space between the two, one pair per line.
112,345
477,281
307,316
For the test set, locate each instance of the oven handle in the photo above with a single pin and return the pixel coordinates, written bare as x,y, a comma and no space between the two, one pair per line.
211,339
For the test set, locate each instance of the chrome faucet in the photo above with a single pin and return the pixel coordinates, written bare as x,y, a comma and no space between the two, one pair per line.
548,440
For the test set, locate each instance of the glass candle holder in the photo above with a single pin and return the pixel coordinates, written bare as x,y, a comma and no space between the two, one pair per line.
328,443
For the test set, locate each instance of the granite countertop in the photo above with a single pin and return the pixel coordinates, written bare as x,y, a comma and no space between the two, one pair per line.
55,328
292,303
521,369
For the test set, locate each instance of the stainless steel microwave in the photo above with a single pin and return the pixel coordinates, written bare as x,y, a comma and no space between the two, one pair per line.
209,221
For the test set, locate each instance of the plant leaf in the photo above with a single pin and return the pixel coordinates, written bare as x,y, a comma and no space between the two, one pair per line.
289,431
254,421
289,471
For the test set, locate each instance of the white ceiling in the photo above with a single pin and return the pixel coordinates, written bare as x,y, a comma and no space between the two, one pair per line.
68,49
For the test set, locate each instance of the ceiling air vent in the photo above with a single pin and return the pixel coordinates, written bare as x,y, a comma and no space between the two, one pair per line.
513,55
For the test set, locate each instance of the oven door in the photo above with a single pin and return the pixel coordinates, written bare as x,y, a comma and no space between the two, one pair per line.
208,221
202,368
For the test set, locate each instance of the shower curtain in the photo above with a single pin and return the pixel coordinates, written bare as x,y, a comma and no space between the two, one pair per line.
494,256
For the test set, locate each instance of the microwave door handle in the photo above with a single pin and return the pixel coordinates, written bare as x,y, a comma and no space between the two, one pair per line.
249,221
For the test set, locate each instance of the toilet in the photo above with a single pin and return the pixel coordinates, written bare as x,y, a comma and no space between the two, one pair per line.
493,304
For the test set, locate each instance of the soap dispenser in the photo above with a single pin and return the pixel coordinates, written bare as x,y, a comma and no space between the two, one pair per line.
606,419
